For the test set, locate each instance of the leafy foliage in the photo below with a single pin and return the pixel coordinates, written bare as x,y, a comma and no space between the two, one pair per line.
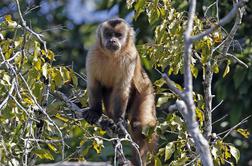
28,72
32,121
166,53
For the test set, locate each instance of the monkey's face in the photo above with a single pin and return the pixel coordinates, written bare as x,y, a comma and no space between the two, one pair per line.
113,35
112,39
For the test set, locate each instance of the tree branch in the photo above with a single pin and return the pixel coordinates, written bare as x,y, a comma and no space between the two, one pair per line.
207,86
222,22
106,124
187,107
239,13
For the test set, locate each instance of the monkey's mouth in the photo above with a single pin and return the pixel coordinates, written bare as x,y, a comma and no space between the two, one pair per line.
112,47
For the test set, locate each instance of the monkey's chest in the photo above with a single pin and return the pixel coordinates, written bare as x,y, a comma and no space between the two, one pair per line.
112,73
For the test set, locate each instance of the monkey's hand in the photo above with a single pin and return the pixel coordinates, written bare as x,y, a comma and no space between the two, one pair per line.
91,116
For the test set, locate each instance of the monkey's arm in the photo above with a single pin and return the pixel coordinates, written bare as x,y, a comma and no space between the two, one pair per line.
95,101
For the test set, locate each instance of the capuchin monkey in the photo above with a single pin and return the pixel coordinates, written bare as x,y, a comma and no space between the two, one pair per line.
116,78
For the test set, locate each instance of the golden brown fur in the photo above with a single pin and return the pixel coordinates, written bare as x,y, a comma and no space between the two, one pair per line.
115,76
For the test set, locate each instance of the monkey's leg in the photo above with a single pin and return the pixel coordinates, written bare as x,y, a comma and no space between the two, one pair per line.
118,103
143,115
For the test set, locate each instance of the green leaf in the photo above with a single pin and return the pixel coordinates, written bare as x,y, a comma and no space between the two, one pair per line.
45,68
58,116
169,150
7,113
235,153
162,100
50,55
97,145
194,71
37,64
37,90
18,59
181,161
36,50
139,8
147,130
74,78
8,53
153,14
43,154
54,107
160,82
130,3
7,78
10,22
18,42
200,115
65,74
52,147
217,37
8,18
244,132
56,77
227,69
216,68
227,154
157,162
214,152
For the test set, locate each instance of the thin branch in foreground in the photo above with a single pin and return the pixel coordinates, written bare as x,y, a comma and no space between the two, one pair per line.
23,22
239,14
237,60
218,120
217,106
171,84
45,113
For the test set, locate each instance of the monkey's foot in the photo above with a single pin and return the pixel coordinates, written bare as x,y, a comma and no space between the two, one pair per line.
91,116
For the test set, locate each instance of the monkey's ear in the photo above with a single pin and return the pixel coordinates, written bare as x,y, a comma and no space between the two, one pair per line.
99,35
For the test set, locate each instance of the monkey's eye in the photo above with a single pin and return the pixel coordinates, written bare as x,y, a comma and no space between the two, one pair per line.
108,34
118,34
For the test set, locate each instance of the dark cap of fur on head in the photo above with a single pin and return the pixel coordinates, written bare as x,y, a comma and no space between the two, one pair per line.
115,22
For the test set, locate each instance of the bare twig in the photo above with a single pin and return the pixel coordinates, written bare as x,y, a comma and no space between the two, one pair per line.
192,161
218,120
217,10
234,127
239,13
43,141
237,60
171,84
45,113
217,106
205,13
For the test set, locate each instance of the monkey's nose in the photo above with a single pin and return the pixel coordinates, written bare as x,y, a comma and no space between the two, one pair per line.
112,41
